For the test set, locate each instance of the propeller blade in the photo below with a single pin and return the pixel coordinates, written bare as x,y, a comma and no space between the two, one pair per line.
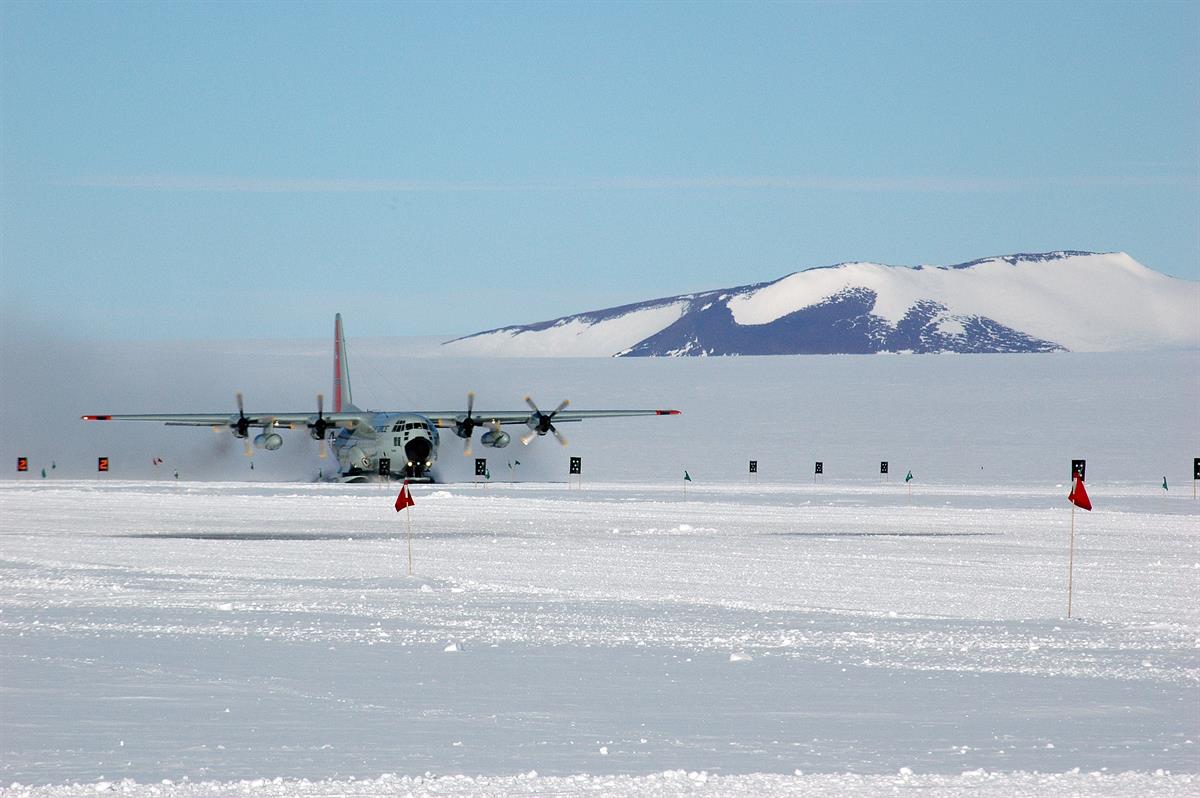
565,402
249,448
470,403
559,436
242,425
318,428
529,402
466,447
527,437
324,450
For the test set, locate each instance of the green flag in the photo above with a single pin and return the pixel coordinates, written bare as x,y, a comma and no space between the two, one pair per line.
487,473
1165,484
687,477
908,476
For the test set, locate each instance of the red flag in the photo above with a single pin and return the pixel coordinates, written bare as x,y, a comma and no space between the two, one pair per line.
1078,495
405,498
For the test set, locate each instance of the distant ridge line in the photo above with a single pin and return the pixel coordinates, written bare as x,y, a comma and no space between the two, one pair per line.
1063,300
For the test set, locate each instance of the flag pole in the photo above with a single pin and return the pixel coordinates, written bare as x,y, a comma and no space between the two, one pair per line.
408,519
1071,562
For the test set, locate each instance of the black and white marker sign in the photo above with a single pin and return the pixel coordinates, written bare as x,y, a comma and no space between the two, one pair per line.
883,467
480,466
385,466
753,466
1077,469
576,465
820,468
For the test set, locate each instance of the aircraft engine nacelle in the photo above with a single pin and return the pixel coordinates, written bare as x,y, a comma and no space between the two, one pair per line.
496,439
270,442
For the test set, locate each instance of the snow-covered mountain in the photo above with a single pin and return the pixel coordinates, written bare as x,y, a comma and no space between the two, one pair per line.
1076,301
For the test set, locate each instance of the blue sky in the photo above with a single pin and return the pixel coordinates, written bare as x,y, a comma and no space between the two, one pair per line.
213,170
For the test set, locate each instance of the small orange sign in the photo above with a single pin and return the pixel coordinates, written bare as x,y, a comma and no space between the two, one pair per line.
22,463
102,464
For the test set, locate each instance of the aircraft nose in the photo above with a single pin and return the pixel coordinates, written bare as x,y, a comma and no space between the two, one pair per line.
418,450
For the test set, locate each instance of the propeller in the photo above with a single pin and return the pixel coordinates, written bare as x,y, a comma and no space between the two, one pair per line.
241,427
318,428
465,427
540,423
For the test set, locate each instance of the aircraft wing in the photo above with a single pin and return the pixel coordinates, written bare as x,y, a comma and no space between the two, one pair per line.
450,418
286,420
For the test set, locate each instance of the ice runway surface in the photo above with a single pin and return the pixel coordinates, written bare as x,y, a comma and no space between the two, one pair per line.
619,639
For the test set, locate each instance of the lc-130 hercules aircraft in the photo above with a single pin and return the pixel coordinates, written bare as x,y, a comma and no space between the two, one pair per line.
361,439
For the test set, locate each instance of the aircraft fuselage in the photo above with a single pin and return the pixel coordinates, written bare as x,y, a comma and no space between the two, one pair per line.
408,441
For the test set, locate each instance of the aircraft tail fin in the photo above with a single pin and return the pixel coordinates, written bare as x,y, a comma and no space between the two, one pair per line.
342,401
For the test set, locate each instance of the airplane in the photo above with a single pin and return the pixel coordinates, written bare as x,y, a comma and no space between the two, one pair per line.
368,443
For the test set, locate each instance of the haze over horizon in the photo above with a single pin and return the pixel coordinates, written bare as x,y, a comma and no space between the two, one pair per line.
194,171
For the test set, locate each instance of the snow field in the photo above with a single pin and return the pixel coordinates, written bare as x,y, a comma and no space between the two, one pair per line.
605,638
616,640
660,785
